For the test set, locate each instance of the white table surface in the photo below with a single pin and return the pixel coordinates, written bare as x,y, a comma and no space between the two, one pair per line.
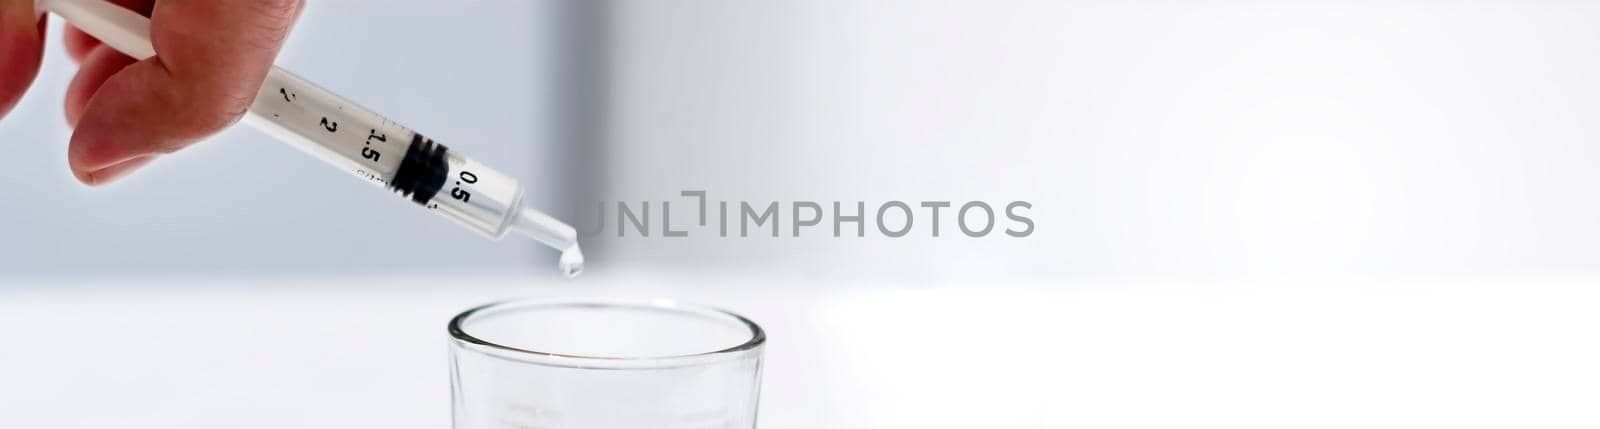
339,353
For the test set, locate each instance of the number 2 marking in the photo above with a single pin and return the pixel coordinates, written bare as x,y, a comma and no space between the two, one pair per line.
332,127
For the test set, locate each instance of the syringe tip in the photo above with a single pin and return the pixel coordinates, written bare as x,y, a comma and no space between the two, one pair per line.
555,234
572,261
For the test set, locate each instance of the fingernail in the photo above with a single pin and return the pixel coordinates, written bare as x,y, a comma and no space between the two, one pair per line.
114,172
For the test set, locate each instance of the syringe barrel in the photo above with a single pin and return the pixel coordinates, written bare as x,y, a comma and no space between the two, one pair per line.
385,153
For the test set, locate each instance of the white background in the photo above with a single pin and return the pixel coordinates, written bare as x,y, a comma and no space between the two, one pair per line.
1250,214
1224,139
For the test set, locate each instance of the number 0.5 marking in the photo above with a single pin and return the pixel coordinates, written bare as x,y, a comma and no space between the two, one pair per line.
462,194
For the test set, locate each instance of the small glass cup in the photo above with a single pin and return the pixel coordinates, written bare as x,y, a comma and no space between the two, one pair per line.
599,364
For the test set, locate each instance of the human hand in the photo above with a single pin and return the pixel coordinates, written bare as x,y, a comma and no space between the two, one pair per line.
211,56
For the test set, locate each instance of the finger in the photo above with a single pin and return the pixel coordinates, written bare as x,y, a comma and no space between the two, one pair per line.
98,66
21,49
79,43
211,57
114,172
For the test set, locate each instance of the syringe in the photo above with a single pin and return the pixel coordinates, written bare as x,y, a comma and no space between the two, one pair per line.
357,140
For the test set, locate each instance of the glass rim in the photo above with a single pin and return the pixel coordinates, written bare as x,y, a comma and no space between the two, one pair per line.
459,335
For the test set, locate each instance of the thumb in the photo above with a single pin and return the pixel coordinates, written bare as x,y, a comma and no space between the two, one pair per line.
21,49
